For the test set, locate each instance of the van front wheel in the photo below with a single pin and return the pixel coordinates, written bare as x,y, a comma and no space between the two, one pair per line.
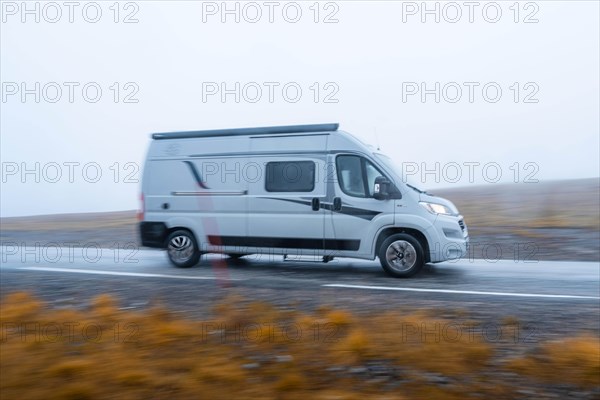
401,255
182,249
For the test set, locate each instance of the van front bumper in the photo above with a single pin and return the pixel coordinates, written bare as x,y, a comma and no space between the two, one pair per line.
452,239
457,250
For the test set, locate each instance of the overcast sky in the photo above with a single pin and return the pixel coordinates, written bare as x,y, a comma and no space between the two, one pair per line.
508,88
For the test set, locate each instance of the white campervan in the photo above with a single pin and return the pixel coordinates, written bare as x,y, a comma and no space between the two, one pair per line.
290,190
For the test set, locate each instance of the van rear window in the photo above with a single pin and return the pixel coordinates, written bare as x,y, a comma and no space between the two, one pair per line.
290,176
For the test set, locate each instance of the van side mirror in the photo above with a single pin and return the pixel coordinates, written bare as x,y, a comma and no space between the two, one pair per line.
381,188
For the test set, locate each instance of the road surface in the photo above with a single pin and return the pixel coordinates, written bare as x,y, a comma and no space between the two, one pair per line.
548,297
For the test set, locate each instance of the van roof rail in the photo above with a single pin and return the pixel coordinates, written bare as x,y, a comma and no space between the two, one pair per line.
270,130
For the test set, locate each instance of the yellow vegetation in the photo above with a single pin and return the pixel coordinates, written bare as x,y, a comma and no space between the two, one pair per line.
575,360
253,350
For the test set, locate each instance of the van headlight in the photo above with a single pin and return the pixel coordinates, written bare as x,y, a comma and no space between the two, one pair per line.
436,208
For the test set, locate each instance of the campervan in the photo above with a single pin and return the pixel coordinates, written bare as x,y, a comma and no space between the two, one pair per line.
304,190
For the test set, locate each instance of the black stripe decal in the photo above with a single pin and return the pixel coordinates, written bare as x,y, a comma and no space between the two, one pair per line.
196,174
303,202
353,211
284,243
346,210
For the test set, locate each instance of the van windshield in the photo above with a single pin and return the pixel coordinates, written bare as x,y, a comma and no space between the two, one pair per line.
391,165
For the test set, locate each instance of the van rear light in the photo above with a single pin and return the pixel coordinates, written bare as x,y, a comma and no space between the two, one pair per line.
142,209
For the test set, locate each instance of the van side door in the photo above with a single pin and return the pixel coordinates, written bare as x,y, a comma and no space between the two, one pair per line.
285,213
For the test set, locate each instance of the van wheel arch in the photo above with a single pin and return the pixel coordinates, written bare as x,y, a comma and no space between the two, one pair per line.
418,235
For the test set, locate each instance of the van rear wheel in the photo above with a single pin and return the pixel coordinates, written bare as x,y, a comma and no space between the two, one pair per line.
182,249
401,255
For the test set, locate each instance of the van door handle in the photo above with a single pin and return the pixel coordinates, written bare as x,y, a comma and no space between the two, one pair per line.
337,204
316,204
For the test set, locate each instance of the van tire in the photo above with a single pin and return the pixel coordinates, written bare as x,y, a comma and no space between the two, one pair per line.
401,255
182,249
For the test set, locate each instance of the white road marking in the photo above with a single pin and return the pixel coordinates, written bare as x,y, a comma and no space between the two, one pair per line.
551,296
118,273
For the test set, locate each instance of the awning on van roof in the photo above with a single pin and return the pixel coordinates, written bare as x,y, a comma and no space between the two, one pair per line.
268,130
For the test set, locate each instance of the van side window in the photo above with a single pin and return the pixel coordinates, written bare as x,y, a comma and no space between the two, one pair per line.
372,173
290,176
356,175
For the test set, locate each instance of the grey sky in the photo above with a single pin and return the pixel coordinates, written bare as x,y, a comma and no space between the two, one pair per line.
365,66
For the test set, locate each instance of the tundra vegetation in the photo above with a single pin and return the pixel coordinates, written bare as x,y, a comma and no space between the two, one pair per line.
255,350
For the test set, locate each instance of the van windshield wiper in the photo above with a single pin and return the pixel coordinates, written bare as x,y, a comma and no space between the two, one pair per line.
415,189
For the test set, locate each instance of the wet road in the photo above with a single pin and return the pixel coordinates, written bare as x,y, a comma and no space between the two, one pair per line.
558,296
